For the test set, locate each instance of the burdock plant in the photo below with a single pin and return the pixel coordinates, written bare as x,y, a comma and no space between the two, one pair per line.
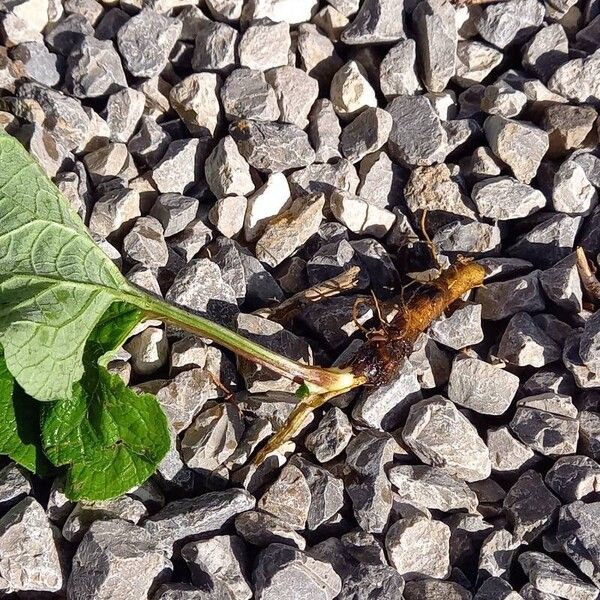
64,310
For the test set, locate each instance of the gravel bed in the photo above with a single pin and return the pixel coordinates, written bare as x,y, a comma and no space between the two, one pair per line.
228,154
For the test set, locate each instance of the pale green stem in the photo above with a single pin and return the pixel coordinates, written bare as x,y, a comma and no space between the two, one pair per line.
317,379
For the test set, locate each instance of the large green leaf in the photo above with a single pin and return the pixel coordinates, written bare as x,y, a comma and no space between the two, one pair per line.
19,425
55,282
112,438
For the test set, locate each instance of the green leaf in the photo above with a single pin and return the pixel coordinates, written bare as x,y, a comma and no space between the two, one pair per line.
19,425
112,438
55,282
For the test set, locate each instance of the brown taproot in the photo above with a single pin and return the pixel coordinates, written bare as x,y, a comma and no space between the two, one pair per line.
381,356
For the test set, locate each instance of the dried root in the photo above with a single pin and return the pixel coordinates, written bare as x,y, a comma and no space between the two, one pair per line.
379,360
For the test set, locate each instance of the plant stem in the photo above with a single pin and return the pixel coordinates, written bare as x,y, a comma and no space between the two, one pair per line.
317,379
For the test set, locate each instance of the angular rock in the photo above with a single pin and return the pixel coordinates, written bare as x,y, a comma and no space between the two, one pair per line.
324,178
572,478
497,553
397,71
385,406
212,437
265,204
510,24
123,112
175,212
247,95
547,51
94,69
30,559
503,198
367,133
178,168
379,582
577,533
419,548
150,142
441,436
468,238
508,454
547,423
475,61
284,235
326,492
351,93
221,559
262,529
145,243
548,576
196,100
296,93
417,137
550,241
200,287
437,38
207,513
227,215
578,80
265,45
370,490
318,57
227,172
380,179
567,126
524,343
520,145
114,212
272,147
324,130
562,284
284,570
359,215
331,436
145,42
214,48
572,191
148,350
481,387
432,488
530,506
505,298
116,559
377,21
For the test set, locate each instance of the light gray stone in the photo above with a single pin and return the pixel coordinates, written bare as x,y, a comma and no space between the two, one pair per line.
265,45
475,61
397,71
222,559
497,553
178,169
548,576
272,147
30,560
419,548
196,100
331,436
247,95
578,80
214,48
573,477
432,488
547,51
282,570
437,38
262,529
441,436
116,560
507,453
417,137
367,133
504,198
530,506
520,145
296,93
206,513
377,21
482,387
572,191
351,93
145,42
324,131
547,423
227,172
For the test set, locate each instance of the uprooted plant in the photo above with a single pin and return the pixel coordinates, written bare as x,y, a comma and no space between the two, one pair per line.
65,308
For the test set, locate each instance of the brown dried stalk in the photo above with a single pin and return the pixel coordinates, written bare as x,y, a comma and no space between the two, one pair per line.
588,278
289,308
